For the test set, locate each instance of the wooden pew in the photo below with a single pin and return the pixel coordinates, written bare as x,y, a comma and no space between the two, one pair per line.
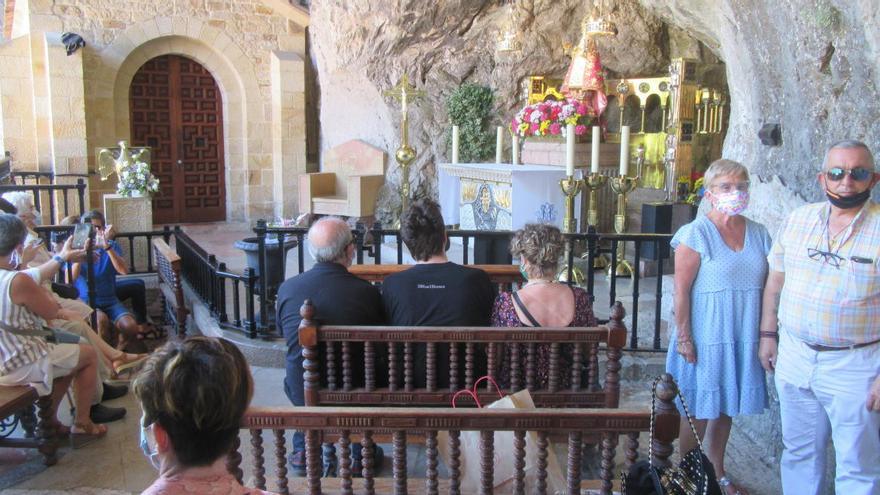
20,401
326,353
168,269
352,424
504,275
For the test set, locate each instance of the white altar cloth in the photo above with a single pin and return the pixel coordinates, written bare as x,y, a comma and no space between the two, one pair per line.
534,194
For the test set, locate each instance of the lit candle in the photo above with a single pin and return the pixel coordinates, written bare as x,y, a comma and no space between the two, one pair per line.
455,144
569,150
594,150
499,140
515,150
624,149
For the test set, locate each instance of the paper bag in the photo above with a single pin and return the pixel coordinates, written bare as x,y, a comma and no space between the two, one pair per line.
504,472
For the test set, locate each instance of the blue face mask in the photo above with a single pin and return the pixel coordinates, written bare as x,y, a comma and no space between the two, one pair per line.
153,457
522,271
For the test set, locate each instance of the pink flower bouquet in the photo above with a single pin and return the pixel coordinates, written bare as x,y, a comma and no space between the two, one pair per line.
550,118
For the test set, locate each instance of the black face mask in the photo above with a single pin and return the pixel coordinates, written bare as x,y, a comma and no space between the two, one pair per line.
848,202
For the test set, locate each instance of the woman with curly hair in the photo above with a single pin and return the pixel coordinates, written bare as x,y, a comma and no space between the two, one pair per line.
541,302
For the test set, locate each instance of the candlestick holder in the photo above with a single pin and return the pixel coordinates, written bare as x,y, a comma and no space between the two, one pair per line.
622,186
570,188
593,183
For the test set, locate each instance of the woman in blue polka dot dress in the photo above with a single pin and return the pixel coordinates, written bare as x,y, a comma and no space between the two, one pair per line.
720,268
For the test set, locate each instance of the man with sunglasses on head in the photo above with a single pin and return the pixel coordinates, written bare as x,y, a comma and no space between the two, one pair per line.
820,329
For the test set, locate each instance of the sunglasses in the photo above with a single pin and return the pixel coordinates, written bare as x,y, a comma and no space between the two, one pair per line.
857,174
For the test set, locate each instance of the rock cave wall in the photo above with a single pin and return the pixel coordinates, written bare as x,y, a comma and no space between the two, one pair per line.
809,65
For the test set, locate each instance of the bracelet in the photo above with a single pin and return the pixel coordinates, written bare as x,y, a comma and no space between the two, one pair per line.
769,335
58,259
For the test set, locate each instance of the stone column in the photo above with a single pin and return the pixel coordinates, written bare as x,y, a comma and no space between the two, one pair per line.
288,130
130,215
66,115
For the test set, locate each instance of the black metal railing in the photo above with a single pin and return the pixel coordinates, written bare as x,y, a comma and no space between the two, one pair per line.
592,244
211,280
49,193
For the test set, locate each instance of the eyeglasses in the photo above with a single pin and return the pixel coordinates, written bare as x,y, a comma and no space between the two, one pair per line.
728,187
832,259
857,174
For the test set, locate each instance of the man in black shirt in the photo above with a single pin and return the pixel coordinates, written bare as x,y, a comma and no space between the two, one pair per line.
339,297
435,292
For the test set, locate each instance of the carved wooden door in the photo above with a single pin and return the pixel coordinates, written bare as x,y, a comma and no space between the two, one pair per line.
177,110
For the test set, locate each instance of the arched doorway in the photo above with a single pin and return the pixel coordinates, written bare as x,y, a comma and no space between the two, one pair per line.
177,110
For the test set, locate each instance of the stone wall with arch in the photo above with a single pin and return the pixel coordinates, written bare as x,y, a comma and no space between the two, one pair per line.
255,49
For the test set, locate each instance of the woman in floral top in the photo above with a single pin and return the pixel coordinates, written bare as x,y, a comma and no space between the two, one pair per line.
541,302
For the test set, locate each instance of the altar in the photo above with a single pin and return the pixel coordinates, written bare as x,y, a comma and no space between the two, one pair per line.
501,196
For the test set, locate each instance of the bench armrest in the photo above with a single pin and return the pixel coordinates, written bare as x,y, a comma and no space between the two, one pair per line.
363,190
314,185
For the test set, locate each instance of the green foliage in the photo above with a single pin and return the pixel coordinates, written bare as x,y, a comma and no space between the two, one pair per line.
470,108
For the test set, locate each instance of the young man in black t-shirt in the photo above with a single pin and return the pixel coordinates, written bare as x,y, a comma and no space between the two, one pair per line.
435,292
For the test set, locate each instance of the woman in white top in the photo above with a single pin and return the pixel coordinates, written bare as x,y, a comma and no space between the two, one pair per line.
29,359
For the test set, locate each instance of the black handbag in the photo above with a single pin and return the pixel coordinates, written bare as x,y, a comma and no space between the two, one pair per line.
694,475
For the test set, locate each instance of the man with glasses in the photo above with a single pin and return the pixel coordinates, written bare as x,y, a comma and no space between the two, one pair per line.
820,329
340,298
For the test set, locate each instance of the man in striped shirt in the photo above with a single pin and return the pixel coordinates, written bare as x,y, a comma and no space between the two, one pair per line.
820,329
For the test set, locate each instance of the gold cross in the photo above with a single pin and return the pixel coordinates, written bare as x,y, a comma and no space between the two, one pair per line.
403,92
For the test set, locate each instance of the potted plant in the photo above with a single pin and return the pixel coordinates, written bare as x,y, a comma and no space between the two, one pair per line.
548,119
136,181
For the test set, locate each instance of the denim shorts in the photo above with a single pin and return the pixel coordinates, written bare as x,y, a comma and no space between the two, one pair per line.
115,310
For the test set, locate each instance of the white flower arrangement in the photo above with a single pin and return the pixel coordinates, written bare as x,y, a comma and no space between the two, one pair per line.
137,179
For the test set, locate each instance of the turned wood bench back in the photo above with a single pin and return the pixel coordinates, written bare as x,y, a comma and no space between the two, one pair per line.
330,355
364,425
168,267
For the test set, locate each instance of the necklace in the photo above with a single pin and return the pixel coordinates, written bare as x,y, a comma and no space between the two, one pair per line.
538,282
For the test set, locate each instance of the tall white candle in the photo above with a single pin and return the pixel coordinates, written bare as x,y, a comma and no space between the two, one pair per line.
499,143
515,150
569,150
624,150
455,144
594,150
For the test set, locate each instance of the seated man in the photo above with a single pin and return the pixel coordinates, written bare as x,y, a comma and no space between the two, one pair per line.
435,292
340,298
109,263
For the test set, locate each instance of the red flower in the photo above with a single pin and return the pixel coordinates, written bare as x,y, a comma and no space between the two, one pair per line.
555,129
580,129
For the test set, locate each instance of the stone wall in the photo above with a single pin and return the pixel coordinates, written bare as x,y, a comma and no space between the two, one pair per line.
235,40
444,44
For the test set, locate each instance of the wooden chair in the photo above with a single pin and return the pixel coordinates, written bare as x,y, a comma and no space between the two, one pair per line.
20,400
168,268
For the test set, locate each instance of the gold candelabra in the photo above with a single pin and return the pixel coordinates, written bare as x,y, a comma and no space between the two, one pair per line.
405,153
593,183
622,186
570,188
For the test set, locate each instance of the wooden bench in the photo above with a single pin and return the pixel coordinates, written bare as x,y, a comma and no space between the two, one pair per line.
351,424
168,269
505,276
334,342
20,401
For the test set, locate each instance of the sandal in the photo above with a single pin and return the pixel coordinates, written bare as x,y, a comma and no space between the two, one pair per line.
729,488
128,361
61,430
87,430
152,332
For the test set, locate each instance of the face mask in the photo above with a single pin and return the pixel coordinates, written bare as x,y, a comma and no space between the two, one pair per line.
153,457
848,202
732,203
38,218
15,258
522,271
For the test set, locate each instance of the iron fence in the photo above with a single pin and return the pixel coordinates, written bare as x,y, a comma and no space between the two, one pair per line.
592,244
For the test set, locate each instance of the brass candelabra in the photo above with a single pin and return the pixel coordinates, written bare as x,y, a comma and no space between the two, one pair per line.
622,186
593,183
570,188
405,153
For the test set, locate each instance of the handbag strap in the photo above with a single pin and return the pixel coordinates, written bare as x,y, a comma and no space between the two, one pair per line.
525,312
687,414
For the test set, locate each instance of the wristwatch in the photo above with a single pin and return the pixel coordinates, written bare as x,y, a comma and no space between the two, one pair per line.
58,259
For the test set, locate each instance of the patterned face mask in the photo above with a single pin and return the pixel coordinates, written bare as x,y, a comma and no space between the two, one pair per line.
732,203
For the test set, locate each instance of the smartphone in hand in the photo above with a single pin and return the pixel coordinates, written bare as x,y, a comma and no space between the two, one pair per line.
81,234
